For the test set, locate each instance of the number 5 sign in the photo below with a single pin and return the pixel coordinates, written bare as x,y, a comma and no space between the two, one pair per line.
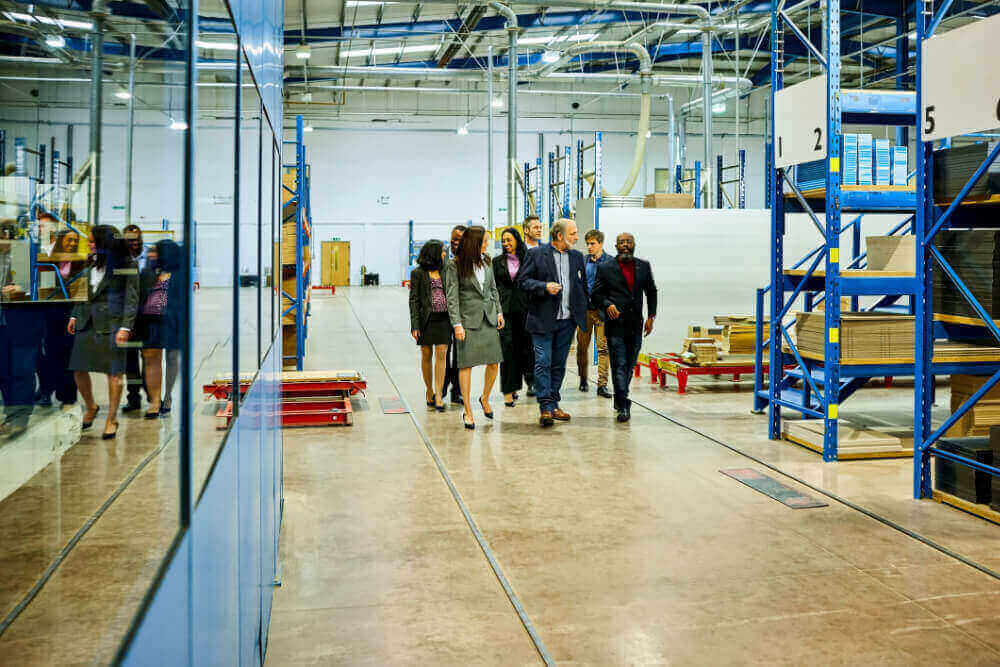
800,123
961,81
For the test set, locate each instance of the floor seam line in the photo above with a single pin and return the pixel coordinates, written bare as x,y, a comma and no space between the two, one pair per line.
487,551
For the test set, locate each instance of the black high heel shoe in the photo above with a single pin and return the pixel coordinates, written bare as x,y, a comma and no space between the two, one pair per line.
488,415
439,408
112,435
467,424
87,424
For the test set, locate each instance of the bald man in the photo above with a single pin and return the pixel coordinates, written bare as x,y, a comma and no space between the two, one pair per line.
618,291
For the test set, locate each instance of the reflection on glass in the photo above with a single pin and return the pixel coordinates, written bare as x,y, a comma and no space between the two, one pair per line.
251,138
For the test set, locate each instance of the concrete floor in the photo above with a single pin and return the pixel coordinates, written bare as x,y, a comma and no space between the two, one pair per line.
624,544
86,607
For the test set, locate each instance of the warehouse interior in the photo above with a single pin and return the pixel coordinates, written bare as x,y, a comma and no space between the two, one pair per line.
220,445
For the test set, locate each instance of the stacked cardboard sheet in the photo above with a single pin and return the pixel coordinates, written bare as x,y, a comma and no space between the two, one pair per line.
892,253
955,166
851,438
739,333
863,336
984,414
961,480
975,257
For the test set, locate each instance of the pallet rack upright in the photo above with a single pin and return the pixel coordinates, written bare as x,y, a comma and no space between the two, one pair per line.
951,98
594,176
302,216
531,188
559,206
741,188
694,179
869,107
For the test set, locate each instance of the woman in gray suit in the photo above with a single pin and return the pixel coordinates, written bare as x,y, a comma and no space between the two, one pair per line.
474,310
103,324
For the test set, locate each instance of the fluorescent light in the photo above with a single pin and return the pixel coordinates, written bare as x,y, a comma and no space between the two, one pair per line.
62,23
367,3
554,39
497,102
122,95
178,125
218,46
551,56
307,128
306,97
648,134
55,41
463,130
389,50
719,107
303,52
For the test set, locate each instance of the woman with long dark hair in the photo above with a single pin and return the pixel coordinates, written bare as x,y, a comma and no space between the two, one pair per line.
159,322
429,322
515,343
474,309
103,323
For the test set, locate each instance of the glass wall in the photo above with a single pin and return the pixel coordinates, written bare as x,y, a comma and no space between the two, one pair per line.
138,199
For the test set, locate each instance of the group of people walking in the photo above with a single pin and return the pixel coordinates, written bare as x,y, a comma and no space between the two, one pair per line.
517,316
132,309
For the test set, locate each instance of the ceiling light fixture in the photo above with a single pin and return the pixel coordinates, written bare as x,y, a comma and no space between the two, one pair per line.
463,130
367,3
55,41
218,46
649,134
551,56
556,39
497,102
303,52
62,23
307,128
719,107
389,50
178,125
123,95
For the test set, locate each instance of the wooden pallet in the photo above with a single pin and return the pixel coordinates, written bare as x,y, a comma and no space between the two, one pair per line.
977,509
854,443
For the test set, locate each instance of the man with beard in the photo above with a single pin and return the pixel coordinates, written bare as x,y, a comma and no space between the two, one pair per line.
133,372
618,292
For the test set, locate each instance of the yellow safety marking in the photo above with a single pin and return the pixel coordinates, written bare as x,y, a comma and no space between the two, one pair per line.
831,411
835,255
834,165
834,334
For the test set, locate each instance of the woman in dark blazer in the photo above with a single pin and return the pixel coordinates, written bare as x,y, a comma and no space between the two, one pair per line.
161,292
429,324
474,310
515,343
103,323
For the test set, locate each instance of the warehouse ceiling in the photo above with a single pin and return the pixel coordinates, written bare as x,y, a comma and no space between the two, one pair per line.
447,43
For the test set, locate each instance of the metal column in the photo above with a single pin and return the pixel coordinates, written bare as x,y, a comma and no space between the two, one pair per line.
129,138
511,124
489,142
98,13
706,67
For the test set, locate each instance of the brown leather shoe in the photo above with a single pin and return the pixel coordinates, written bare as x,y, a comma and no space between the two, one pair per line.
545,419
560,415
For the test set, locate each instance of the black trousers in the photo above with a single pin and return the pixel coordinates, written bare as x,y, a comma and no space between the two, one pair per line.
518,359
57,346
18,363
624,343
135,381
451,372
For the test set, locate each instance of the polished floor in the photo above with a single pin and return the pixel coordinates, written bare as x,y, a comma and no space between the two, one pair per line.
622,543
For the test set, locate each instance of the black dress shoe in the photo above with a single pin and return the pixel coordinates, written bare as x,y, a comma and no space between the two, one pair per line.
43,400
584,386
531,391
623,415
603,392
457,400
131,406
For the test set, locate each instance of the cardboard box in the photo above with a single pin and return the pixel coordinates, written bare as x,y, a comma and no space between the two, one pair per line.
668,200
892,253
697,331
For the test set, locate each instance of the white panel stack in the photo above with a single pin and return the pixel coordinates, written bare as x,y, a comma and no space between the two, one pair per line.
883,162
865,172
900,165
850,159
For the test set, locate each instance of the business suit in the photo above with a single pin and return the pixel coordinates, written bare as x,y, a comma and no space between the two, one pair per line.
475,306
20,332
515,342
624,333
551,334
113,305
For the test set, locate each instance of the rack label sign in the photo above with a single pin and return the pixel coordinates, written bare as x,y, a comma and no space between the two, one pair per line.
961,81
800,123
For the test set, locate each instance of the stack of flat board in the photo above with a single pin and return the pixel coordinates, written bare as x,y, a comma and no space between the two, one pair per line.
975,257
864,337
960,480
983,415
892,253
955,166
739,333
852,440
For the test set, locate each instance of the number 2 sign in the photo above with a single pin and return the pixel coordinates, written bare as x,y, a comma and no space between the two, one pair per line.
800,123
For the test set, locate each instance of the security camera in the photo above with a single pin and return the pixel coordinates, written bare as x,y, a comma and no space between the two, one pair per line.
575,105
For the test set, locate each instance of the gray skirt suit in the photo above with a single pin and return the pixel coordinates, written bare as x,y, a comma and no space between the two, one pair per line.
475,306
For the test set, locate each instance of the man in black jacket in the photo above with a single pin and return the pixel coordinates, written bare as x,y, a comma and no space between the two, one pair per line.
618,292
554,278
451,361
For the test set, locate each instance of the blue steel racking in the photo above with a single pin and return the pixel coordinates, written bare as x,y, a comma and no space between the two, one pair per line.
930,220
559,206
871,107
531,188
414,247
303,213
740,181
595,176
694,179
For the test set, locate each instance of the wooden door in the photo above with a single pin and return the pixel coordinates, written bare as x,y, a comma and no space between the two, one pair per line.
336,267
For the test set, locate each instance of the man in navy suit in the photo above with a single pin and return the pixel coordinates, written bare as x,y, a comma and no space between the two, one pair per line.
555,278
618,292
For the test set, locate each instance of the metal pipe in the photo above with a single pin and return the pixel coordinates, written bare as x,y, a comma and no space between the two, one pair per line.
706,67
672,131
511,17
130,136
98,13
645,62
489,140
